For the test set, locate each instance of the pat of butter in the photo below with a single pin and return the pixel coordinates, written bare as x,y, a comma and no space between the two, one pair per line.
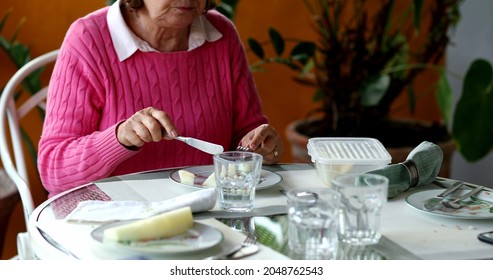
186,177
163,225
210,181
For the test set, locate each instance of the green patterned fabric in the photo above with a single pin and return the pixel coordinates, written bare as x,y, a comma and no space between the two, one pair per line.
427,158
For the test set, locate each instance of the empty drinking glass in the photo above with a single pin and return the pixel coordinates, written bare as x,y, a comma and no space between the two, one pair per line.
362,199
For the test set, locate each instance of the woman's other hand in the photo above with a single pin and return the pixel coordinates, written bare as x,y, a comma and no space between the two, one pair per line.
266,141
144,126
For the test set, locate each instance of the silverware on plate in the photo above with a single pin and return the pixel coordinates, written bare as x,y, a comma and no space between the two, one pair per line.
433,203
467,184
455,204
247,248
455,186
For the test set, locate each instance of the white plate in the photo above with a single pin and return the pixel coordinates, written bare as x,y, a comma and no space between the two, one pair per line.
267,178
199,237
479,207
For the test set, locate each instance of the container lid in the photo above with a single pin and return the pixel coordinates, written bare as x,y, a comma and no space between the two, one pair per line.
348,150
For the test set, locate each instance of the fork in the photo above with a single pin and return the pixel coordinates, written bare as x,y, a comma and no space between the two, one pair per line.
231,253
455,204
448,191
243,149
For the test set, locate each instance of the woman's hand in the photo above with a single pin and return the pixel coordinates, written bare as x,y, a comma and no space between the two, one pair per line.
266,141
146,125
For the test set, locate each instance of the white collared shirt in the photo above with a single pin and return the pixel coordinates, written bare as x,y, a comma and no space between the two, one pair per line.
127,43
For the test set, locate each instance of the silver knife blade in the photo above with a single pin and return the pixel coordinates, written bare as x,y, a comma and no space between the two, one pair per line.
205,146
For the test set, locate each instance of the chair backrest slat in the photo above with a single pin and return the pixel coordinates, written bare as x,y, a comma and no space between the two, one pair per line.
13,158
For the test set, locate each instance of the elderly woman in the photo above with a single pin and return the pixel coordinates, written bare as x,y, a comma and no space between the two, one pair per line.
131,77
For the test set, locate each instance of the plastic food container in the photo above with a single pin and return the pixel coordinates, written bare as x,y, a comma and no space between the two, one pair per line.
334,156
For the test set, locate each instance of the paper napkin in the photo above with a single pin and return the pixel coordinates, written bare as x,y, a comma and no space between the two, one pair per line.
106,211
420,168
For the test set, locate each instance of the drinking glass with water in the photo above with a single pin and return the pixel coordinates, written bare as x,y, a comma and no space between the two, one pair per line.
313,223
237,174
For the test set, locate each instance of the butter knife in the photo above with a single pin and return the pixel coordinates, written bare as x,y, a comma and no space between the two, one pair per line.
204,146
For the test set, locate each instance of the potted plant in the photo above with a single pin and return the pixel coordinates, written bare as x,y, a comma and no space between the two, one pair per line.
368,54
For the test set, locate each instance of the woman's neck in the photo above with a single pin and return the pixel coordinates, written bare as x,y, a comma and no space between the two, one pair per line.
160,38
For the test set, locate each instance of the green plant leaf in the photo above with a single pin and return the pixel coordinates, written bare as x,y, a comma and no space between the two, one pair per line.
472,123
277,41
227,8
256,48
19,54
286,61
318,95
303,52
257,69
13,38
32,83
418,7
444,98
4,18
4,44
308,67
373,90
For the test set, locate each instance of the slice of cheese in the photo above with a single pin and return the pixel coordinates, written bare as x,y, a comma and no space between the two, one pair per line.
245,167
231,170
186,177
164,225
210,181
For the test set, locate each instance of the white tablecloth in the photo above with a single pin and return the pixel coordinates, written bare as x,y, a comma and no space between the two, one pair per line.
407,231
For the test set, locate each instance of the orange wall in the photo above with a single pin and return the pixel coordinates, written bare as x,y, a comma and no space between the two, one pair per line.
284,100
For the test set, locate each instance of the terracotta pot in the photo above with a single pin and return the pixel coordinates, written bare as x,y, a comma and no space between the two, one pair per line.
299,142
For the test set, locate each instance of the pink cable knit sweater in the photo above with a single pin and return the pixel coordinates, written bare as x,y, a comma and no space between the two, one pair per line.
209,92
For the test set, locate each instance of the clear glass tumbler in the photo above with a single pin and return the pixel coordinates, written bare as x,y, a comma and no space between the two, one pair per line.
237,174
362,199
313,216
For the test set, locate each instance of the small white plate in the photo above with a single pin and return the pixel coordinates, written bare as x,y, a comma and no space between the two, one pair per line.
268,179
199,237
478,207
